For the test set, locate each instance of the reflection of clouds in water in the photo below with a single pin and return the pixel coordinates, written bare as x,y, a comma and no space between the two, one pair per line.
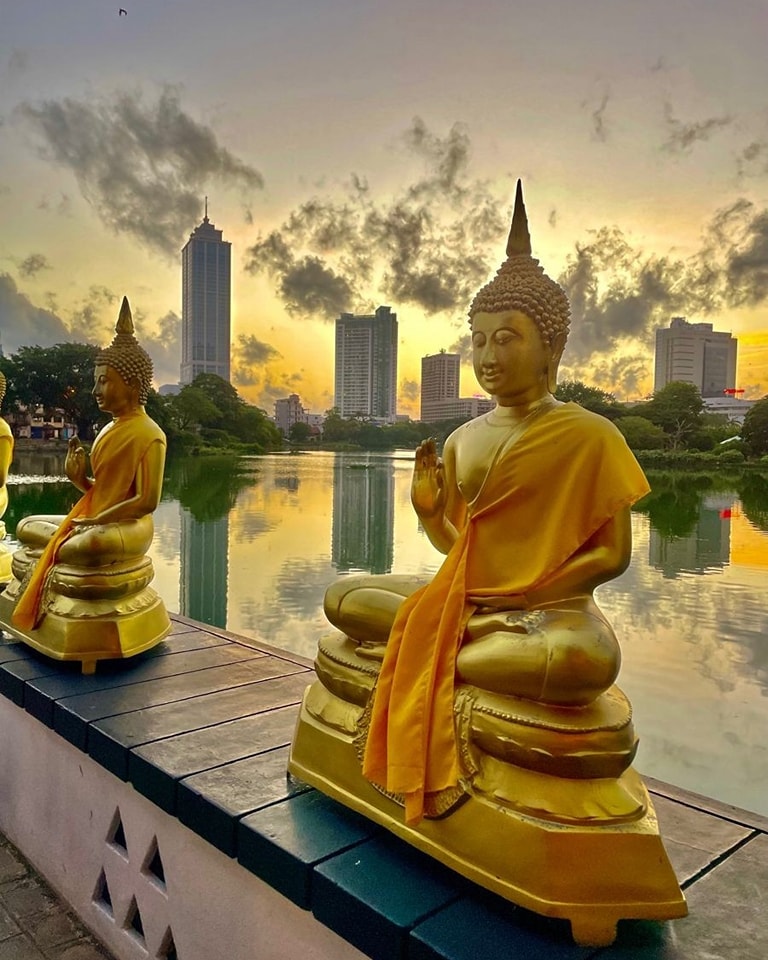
251,526
165,543
301,585
643,603
293,617
695,669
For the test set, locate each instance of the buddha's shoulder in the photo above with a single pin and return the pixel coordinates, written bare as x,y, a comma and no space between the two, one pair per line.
148,429
580,426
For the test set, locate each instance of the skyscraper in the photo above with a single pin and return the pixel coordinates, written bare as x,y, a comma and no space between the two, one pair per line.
366,365
695,353
440,399
205,305
439,381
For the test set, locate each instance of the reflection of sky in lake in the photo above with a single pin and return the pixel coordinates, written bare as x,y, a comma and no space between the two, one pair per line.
695,666
690,613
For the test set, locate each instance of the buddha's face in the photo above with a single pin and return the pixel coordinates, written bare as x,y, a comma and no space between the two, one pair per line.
112,393
510,358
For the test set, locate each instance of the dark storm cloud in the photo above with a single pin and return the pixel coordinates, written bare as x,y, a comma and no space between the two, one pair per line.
425,246
753,159
682,136
163,344
23,324
620,294
463,346
623,374
409,389
142,166
250,361
32,265
91,321
599,130
252,351
63,207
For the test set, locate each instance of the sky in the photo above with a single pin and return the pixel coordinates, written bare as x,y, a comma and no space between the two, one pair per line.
363,152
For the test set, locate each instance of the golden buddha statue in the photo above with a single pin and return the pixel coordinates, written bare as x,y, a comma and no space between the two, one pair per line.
81,589
476,715
6,456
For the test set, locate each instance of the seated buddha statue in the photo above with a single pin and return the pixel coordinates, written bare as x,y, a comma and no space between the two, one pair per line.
482,703
82,581
6,456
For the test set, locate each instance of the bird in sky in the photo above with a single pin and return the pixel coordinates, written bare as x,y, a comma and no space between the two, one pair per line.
122,13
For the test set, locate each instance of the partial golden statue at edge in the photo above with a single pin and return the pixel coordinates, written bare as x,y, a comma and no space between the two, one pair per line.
476,715
81,582
6,456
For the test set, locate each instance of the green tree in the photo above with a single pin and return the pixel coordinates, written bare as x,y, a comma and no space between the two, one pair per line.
191,409
300,432
591,398
253,426
641,434
338,429
223,395
754,433
58,377
678,409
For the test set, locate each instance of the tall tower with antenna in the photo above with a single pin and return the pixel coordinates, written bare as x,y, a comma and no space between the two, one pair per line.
206,284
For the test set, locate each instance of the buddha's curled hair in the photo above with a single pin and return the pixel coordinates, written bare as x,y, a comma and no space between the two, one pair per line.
126,355
521,284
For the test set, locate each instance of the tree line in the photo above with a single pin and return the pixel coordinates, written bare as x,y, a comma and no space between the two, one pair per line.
674,421
210,413
206,414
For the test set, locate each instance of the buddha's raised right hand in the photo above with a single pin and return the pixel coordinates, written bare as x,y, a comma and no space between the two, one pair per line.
428,483
75,464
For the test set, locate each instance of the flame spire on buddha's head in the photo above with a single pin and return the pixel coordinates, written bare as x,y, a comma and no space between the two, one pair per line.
521,284
126,355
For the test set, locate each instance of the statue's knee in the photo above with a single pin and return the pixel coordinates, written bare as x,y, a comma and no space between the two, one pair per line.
37,530
565,657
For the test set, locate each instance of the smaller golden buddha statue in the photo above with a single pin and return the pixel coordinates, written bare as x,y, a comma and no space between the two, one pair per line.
476,715
81,582
6,456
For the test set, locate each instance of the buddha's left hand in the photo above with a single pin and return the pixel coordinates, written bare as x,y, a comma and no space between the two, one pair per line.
84,521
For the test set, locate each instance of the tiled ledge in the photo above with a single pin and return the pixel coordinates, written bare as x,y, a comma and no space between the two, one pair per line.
200,728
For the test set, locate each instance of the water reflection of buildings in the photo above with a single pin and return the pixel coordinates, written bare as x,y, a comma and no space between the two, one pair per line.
363,516
204,568
707,547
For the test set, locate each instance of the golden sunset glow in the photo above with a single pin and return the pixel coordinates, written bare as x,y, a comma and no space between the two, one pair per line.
358,155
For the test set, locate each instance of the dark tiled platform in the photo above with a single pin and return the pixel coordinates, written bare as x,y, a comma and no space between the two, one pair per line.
201,726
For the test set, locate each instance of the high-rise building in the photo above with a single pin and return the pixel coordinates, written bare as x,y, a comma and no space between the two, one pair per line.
366,365
439,381
440,400
695,353
205,302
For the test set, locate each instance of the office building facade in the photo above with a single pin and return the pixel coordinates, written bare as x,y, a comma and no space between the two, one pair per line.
695,353
366,365
205,304
440,374
440,400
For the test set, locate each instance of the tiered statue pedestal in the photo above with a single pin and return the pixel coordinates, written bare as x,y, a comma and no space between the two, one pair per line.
90,613
584,847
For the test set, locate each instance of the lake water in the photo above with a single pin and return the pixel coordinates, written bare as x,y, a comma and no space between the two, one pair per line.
251,545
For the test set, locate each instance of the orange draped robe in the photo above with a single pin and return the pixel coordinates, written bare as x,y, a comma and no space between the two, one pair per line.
115,458
568,474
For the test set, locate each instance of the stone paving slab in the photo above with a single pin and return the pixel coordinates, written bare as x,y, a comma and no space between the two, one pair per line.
34,923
